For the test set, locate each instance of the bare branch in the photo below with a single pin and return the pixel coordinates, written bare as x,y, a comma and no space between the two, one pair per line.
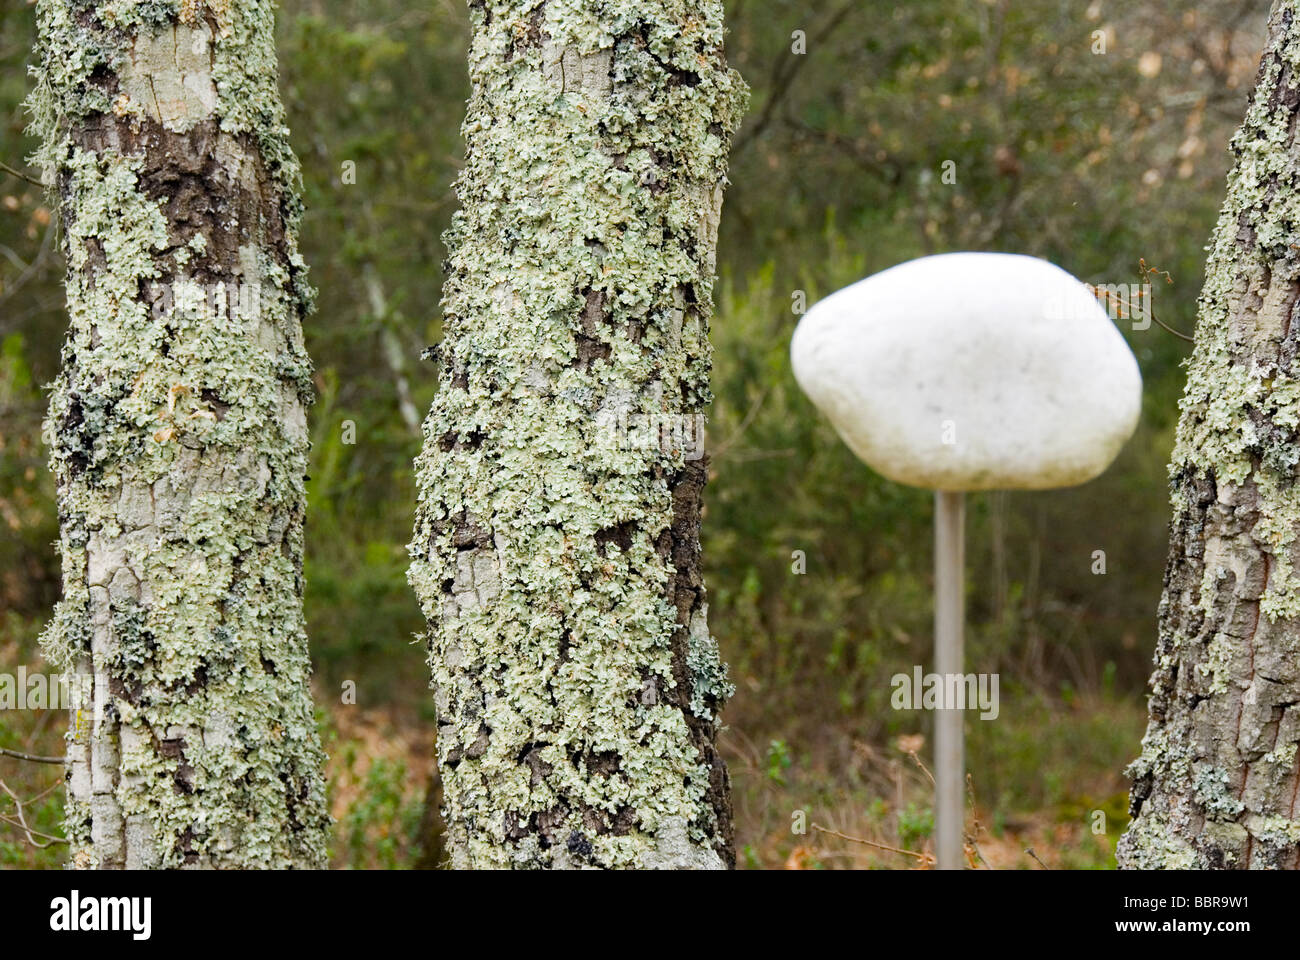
32,834
18,755
783,75
21,822
923,858
19,174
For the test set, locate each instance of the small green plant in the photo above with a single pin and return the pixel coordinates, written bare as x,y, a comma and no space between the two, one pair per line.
915,823
381,826
778,761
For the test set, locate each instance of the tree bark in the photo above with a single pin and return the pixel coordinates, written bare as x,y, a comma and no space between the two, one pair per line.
178,438
1216,784
556,549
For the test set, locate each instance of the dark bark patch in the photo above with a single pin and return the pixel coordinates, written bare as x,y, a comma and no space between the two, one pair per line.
588,350
578,845
527,34
687,594
185,847
620,535
468,532
480,744
195,191
514,827
218,406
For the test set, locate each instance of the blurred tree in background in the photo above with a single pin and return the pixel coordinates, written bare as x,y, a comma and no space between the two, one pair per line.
1089,133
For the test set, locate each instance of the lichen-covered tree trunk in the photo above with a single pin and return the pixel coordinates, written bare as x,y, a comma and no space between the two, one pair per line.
1217,783
178,436
556,551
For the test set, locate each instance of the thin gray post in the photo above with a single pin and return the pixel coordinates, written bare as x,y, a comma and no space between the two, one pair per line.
949,613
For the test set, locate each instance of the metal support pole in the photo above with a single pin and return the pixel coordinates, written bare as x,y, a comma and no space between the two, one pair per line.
949,614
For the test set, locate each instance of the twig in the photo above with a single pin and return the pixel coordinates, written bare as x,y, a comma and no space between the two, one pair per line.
784,71
28,756
21,822
976,827
1030,851
1170,329
1150,313
1144,271
914,756
46,792
36,264
32,834
720,451
922,857
19,174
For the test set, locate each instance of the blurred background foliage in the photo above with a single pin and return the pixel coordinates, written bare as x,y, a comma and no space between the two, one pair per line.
1090,133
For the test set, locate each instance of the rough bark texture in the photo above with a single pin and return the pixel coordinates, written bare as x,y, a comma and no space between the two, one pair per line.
1216,785
178,436
556,550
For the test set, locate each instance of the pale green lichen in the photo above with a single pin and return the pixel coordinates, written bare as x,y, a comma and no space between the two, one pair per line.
1217,664
579,292
1283,756
1154,844
1211,789
1281,832
1234,386
709,682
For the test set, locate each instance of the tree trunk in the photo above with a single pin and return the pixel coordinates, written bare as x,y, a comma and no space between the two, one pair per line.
556,549
1216,784
178,435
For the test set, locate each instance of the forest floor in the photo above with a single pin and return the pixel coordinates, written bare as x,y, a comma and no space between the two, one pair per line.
1047,777
847,804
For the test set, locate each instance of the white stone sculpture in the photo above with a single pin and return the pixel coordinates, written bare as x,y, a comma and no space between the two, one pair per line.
971,371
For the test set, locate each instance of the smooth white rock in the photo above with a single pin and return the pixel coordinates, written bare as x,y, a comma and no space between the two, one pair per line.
971,371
